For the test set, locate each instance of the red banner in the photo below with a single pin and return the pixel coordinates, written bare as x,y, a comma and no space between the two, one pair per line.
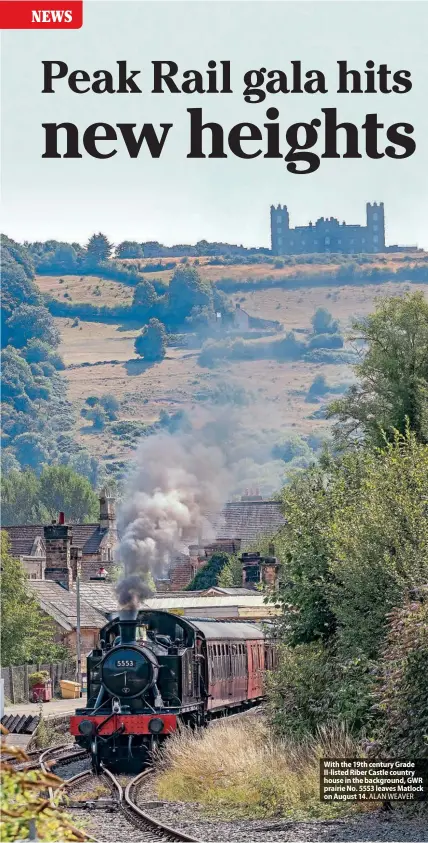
41,14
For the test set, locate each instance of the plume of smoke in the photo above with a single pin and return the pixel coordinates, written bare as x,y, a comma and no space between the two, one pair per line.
178,482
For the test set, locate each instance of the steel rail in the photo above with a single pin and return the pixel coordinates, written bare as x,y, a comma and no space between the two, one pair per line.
146,821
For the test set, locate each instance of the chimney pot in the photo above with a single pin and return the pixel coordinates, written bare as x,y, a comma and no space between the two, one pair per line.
61,519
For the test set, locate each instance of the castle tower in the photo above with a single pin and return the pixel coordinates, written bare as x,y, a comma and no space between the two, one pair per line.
375,227
279,228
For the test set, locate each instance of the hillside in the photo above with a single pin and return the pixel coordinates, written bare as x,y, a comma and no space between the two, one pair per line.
271,397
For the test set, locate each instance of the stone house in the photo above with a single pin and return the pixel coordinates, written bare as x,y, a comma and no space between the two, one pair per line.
52,551
61,606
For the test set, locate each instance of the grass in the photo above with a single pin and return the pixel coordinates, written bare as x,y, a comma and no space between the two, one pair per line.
239,770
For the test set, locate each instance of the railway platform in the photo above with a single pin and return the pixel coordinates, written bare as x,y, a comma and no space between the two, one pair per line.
53,708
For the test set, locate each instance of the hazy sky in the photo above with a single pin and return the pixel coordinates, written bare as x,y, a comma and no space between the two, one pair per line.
174,199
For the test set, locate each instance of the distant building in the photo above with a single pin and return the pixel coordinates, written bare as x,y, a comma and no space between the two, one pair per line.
60,606
52,551
238,527
241,319
328,235
215,602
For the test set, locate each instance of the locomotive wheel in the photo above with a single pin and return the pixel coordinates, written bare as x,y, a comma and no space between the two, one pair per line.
95,758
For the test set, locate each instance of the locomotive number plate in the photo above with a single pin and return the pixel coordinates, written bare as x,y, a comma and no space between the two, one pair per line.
125,663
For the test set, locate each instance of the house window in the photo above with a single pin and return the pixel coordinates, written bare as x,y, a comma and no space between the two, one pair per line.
374,216
375,238
327,241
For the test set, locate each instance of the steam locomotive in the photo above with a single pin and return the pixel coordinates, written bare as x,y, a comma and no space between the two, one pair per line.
155,670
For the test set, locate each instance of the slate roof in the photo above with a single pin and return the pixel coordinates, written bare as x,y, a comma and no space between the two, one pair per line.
60,604
87,537
247,520
101,595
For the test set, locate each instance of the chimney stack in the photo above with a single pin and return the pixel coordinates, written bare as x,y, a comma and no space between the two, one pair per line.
107,509
58,539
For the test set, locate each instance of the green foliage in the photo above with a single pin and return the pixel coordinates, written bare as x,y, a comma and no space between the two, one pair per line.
38,678
151,343
23,801
209,574
62,490
403,688
27,634
18,287
28,499
98,250
129,249
290,448
318,388
230,575
20,499
393,376
186,291
28,322
144,295
108,403
302,692
354,543
323,322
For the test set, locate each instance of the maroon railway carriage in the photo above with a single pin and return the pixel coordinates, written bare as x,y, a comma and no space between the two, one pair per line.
155,670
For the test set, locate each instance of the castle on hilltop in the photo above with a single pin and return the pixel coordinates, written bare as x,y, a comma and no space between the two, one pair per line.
328,235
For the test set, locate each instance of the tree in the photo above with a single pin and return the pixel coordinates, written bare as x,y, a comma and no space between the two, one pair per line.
231,574
144,295
27,634
323,322
28,499
393,376
98,249
209,574
17,275
111,405
28,322
32,449
20,493
129,249
62,490
187,290
98,416
151,343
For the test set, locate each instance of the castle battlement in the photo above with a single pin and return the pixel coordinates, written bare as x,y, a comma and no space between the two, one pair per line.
328,234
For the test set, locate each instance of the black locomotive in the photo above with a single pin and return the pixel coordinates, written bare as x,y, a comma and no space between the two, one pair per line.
154,670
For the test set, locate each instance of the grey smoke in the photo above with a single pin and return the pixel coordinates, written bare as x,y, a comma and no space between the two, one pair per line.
178,483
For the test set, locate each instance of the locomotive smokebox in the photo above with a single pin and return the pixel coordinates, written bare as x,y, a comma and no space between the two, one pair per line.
128,626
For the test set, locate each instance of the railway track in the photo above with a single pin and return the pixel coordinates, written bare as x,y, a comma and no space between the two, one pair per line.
119,815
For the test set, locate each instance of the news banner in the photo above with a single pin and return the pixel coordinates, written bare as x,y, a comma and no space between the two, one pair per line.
359,780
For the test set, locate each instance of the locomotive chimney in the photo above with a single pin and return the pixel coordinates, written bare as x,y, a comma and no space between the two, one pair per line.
128,626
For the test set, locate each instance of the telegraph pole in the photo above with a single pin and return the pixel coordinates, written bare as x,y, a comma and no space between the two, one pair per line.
78,641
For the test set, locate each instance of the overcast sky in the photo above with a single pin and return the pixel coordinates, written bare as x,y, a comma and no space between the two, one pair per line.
177,200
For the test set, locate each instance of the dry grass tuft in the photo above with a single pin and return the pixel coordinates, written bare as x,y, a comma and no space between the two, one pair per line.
238,769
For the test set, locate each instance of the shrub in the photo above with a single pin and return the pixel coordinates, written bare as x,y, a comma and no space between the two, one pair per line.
317,388
323,322
151,344
237,770
98,416
327,340
403,689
